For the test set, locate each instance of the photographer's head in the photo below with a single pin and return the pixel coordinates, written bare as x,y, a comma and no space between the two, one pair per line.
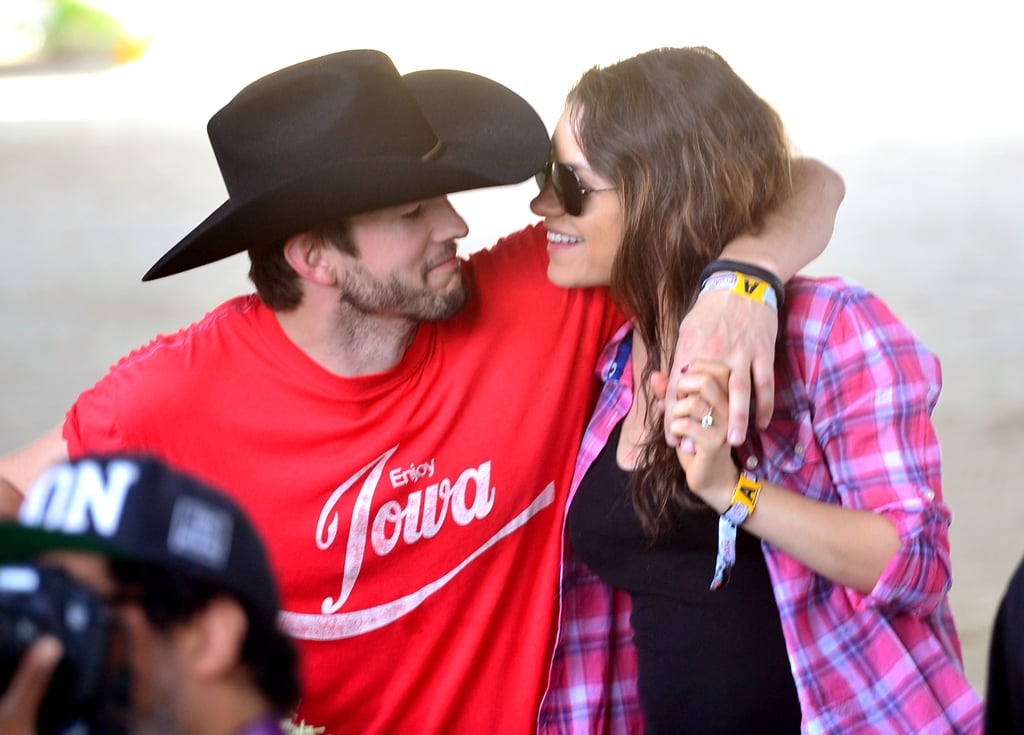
183,574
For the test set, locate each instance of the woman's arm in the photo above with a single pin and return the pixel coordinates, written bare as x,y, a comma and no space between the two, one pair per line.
882,529
848,546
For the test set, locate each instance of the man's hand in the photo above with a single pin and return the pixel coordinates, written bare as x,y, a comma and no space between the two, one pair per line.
19,705
741,333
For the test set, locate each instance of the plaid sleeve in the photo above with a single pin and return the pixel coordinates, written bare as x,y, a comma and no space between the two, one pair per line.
875,389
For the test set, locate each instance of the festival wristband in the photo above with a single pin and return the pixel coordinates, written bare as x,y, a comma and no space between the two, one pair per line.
744,500
738,283
752,271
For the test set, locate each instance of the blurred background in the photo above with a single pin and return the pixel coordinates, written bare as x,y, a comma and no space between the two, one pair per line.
105,164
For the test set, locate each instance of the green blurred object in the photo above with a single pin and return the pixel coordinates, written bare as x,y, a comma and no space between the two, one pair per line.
36,34
78,28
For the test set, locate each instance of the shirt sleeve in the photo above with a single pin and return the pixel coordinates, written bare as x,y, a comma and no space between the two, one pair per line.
91,425
873,396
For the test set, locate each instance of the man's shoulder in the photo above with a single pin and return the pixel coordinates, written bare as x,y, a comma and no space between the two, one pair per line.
234,315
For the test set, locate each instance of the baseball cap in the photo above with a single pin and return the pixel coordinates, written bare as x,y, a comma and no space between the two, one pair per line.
137,508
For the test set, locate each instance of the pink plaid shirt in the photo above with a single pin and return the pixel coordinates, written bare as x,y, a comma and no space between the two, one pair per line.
852,426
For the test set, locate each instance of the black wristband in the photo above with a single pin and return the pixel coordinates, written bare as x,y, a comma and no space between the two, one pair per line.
716,266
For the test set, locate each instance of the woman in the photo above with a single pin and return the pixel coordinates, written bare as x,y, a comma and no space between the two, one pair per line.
829,612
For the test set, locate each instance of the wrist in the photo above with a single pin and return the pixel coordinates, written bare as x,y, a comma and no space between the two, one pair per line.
744,498
748,280
742,285
741,507
718,496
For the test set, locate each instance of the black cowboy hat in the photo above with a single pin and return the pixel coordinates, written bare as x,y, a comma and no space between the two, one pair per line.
345,133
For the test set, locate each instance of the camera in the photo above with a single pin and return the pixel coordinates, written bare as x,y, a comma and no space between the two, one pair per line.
87,685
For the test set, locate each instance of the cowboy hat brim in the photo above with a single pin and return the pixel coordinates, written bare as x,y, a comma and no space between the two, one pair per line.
489,136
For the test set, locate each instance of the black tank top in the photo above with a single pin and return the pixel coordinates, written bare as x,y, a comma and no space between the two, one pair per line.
709,662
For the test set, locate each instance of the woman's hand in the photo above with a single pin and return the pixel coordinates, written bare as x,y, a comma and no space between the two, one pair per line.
699,423
849,546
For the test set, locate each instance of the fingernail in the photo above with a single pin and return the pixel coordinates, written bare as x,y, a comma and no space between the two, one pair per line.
684,368
659,405
688,446
735,438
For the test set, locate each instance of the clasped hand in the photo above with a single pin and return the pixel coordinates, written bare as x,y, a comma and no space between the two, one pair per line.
697,424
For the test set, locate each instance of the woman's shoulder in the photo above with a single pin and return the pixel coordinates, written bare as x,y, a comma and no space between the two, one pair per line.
837,315
808,289
822,302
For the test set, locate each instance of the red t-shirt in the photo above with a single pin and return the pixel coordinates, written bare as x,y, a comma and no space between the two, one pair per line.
413,516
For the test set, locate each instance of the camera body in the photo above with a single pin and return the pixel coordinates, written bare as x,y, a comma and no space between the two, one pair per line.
37,600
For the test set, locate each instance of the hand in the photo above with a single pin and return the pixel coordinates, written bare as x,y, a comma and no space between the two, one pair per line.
19,705
739,332
696,422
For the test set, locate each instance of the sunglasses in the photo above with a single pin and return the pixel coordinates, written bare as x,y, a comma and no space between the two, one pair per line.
566,182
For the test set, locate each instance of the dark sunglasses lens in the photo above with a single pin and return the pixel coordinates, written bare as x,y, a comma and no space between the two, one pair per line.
566,185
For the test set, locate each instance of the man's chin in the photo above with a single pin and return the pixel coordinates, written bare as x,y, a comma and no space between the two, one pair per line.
451,303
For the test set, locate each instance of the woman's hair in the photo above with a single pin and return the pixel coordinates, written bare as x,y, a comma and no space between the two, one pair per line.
276,281
698,159
169,598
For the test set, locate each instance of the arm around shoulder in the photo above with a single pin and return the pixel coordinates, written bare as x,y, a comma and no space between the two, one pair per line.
799,230
729,327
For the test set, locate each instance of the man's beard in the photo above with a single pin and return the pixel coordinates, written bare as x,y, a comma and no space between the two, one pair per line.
366,293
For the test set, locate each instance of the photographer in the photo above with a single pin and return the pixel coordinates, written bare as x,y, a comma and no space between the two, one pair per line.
174,626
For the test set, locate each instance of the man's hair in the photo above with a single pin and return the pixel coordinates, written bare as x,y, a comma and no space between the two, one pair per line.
276,282
169,598
698,159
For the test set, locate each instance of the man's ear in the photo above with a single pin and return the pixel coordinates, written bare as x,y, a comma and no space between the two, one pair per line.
213,638
307,254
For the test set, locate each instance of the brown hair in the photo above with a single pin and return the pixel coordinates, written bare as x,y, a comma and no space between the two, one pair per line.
276,282
698,159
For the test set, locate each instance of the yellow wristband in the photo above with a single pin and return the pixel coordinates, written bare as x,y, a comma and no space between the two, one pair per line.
744,499
744,285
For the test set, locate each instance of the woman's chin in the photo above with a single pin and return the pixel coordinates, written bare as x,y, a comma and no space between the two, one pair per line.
561,276
565,277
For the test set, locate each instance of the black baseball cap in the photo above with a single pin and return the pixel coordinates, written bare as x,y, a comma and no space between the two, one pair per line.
137,508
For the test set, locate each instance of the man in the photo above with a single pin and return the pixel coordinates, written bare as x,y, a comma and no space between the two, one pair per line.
186,578
400,425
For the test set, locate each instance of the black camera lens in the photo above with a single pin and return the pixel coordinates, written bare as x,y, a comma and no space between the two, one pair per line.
39,600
